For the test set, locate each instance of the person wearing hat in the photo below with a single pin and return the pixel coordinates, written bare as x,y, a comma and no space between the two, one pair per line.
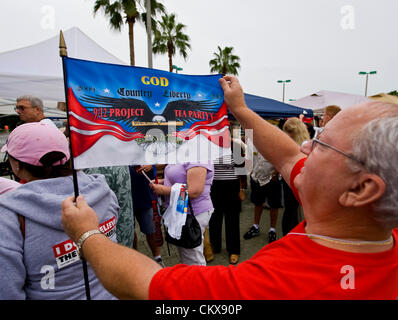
37,259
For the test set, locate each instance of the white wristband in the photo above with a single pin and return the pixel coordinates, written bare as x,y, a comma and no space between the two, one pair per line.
84,237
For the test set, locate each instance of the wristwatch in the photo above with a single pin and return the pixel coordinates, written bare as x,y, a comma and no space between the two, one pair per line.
83,238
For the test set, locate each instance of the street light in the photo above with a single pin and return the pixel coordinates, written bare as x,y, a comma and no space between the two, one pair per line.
284,82
367,75
176,68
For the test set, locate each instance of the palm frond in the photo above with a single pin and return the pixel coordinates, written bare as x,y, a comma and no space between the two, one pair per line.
100,4
170,37
224,61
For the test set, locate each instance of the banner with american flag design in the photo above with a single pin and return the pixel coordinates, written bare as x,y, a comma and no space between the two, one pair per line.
123,115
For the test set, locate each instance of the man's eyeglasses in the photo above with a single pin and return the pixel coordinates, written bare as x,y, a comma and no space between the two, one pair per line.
21,108
311,143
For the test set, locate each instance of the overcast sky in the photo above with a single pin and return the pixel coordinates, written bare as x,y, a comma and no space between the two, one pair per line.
317,44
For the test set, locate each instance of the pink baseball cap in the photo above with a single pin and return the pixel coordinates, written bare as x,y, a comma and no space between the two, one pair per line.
29,142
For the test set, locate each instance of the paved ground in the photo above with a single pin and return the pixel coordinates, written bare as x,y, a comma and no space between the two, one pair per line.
248,247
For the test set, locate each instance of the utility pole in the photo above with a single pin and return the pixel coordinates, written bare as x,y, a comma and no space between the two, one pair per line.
149,32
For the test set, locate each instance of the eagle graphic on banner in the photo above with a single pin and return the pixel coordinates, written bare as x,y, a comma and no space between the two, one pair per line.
176,113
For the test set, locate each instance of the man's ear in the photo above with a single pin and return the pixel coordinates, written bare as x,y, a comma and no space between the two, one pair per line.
367,189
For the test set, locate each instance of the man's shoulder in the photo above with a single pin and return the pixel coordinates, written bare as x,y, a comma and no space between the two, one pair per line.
47,121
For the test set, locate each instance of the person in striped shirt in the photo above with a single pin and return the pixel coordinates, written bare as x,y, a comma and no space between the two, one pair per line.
225,195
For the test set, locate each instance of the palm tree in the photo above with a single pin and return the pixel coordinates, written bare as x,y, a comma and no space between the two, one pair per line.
128,11
225,62
171,38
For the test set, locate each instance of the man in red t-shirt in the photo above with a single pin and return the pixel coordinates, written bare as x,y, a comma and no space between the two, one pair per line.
345,248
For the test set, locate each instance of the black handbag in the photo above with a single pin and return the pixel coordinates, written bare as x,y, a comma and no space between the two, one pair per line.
191,234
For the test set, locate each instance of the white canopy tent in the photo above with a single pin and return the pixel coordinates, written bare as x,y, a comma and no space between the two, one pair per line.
321,99
37,69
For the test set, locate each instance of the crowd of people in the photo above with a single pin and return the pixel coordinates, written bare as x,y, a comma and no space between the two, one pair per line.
336,171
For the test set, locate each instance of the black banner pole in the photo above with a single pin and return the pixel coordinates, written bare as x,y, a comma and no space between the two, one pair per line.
63,54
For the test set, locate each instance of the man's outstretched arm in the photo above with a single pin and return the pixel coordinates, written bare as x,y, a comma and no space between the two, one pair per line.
275,146
124,272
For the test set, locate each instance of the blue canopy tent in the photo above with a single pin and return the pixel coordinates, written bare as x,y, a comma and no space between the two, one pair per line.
269,108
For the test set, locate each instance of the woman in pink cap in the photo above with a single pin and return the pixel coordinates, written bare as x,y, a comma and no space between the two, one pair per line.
37,259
